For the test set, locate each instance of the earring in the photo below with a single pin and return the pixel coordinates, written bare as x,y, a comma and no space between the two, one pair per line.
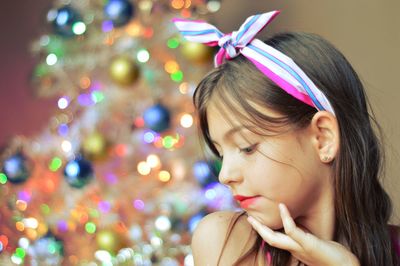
326,158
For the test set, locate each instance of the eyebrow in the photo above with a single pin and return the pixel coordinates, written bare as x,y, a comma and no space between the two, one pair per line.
231,132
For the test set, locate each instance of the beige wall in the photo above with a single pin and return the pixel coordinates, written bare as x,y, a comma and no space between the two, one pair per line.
367,32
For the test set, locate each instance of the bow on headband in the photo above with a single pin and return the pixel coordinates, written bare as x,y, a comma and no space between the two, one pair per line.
275,65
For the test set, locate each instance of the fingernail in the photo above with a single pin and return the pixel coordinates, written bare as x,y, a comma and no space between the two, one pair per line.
281,207
250,219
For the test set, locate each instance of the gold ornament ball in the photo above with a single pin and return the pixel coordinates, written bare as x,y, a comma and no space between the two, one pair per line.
95,146
197,52
124,71
109,241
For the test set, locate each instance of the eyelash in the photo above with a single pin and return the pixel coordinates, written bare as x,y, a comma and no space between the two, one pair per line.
250,149
247,150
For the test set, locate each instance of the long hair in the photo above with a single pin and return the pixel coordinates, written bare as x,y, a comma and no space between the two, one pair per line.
362,207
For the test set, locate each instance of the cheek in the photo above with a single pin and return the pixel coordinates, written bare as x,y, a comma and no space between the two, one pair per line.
276,175
280,181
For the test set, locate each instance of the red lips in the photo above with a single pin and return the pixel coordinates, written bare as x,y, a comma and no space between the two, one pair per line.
245,201
242,198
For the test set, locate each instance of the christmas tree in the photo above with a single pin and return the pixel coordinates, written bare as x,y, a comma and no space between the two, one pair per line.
118,177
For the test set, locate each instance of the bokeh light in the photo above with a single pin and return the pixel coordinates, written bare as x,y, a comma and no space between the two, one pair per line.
186,120
143,56
143,168
164,176
51,59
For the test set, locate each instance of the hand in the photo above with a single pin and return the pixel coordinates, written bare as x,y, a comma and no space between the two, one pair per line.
302,245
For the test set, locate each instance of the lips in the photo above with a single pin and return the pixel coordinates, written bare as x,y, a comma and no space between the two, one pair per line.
246,201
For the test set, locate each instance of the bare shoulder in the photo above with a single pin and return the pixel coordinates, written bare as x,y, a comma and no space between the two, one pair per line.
210,237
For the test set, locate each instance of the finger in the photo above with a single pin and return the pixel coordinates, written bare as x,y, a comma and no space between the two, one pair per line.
273,238
305,240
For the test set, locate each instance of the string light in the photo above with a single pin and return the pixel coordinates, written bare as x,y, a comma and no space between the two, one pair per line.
188,3
21,205
134,29
85,82
121,150
63,129
177,76
153,161
3,241
168,142
107,26
79,28
177,4
45,209
163,223
149,137
173,43
164,176
3,178
184,88
148,32
186,120
171,66
213,5
66,146
97,96
90,227
63,103
51,59
138,204
30,223
143,56
20,226
23,242
143,168
55,164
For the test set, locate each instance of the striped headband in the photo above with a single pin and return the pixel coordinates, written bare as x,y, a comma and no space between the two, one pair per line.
275,65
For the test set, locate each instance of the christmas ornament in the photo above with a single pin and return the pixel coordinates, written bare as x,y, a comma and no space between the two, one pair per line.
78,172
157,118
108,240
66,21
196,52
119,12
16,168
123,71
95,146
206,172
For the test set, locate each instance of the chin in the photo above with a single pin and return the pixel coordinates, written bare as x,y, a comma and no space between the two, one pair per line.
273,222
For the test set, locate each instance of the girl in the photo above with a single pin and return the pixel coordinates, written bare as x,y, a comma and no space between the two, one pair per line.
289,119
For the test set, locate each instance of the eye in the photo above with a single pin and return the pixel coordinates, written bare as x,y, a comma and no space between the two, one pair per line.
250,149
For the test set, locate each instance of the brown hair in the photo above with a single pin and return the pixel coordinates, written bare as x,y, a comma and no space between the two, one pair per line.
362,207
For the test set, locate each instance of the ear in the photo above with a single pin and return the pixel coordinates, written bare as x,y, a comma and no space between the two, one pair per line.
325,132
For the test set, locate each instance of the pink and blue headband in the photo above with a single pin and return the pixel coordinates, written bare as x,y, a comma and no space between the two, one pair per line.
275,65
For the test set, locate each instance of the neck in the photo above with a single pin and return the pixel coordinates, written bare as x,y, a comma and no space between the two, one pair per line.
320,218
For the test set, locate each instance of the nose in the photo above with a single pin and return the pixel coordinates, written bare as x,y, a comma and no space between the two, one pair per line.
230,172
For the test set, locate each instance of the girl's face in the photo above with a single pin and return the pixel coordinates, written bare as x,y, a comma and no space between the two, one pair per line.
270,169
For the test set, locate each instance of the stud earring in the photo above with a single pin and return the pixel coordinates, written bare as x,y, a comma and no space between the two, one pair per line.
326,158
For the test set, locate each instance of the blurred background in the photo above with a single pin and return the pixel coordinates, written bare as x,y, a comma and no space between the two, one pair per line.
73,145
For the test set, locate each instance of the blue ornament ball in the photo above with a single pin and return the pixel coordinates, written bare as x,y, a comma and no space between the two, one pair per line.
157,118
63,20
206,172
16,168
119,12
78,172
